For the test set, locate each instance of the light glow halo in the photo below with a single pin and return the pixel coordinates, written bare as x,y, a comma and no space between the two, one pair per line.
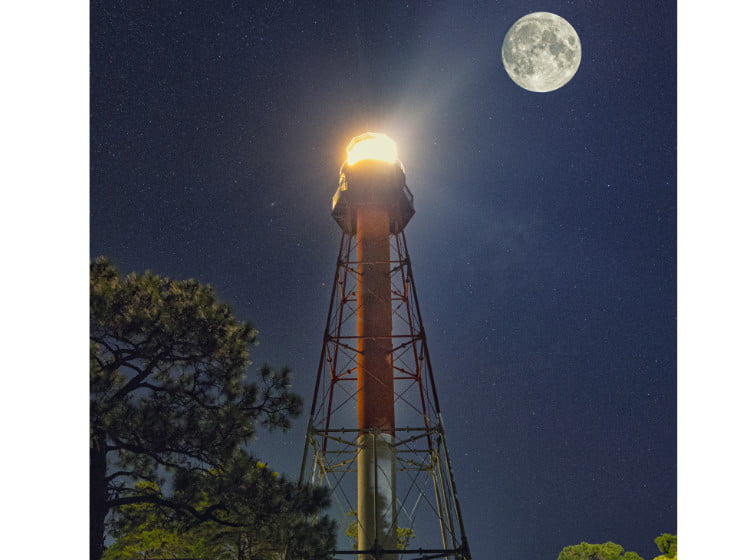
371,145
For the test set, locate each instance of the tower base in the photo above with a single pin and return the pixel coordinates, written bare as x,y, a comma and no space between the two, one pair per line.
409,472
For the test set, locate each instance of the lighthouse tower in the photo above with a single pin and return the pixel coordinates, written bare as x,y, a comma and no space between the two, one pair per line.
375,434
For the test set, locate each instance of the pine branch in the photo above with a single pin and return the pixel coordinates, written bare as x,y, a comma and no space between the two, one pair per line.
209,514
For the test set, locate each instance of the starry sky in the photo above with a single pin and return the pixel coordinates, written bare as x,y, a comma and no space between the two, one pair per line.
543,244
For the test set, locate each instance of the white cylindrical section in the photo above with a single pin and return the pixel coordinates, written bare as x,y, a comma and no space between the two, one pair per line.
376,499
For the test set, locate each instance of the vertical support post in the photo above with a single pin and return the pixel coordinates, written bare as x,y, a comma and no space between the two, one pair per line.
375,398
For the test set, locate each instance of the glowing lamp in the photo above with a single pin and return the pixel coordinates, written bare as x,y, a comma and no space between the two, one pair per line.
371,145
372,181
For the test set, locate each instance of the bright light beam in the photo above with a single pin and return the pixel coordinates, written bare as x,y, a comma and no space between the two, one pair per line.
371,145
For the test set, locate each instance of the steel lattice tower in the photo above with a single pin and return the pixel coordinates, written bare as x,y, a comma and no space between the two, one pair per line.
375,434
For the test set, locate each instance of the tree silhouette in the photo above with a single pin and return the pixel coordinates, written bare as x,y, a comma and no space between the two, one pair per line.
667,544
606,551
277,520
170,406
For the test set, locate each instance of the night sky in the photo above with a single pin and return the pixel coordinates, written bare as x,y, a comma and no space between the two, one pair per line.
544,244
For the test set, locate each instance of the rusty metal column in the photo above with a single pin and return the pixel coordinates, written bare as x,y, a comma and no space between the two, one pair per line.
375,398
371,204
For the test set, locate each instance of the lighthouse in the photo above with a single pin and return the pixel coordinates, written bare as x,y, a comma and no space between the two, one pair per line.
375,434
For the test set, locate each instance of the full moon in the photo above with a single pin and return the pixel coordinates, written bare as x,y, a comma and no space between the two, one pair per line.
541,52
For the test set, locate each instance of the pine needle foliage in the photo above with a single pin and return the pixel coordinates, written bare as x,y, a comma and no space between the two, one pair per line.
172,408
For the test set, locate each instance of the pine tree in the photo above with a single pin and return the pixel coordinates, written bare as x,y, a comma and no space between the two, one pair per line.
170,405
605,551
667,544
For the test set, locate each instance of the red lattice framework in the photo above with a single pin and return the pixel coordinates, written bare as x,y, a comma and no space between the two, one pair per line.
428,515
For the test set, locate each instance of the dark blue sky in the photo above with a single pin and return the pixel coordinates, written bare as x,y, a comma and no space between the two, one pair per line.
543,245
